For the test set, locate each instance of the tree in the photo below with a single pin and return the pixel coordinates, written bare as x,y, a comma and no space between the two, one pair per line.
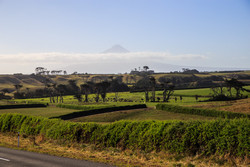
145,68
237,85
40,70
219,93
61,89
117,86
104,87
72,86
86,89
153,86
18,87
97,90
75,90
48,91
18,94
145,85
168,89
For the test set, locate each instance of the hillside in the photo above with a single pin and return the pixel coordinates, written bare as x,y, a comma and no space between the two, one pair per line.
186,80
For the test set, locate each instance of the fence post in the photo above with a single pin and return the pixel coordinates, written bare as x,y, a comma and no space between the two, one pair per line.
18,140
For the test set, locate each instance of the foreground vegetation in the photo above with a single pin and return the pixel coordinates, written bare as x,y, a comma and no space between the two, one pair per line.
112,156
208,133
220,137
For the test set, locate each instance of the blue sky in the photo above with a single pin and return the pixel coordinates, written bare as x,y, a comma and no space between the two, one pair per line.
54,33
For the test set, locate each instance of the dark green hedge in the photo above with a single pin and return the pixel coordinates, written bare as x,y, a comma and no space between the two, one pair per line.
203,112
97,110
22,106
220,137
82,107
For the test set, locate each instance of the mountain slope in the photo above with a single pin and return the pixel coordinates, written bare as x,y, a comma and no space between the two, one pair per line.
116,49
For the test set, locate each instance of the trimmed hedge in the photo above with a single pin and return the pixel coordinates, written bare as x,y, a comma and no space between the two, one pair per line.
202,112
99,110
82,107
220,137
22,106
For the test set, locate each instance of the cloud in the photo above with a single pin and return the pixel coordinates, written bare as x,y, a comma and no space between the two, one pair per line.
75,58
109,62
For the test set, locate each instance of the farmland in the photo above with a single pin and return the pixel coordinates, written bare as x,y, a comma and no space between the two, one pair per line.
190,128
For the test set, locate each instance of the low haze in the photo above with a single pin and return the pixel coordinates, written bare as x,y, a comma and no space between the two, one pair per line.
163,34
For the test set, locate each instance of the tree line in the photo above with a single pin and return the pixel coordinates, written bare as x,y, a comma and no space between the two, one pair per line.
101,85
81,92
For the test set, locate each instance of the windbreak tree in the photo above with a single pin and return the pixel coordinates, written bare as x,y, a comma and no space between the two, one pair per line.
231,89
237,85
168,89
86,89
117,86
153,87
75,90
61,89
104,87
145,85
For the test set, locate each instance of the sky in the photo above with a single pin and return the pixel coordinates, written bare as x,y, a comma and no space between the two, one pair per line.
72,34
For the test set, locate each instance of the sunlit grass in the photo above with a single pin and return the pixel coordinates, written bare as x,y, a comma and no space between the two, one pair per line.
50,111
139,115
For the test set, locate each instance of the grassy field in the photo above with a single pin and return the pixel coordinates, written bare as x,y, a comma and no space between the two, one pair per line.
240,106
48,112
187,94
139,115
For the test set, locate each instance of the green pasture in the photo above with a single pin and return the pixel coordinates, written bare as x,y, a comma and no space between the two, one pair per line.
188,99
139,115
3,102
48,112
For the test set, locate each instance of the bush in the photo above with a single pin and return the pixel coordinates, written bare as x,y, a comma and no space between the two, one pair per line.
202,112
82,107
220,137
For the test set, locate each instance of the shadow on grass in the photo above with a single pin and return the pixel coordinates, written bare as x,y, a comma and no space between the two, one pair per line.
99,111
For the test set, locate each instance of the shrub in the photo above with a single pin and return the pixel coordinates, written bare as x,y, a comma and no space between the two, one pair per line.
203,112
82,107
220,137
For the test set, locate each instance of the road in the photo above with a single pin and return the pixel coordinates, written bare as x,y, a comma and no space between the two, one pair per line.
17,158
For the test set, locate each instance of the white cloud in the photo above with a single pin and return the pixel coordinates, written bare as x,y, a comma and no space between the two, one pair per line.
116,60
75,58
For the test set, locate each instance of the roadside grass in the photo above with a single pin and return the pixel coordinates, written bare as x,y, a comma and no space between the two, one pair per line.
139,115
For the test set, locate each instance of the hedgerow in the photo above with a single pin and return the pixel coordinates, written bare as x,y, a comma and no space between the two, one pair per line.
82,107
22,106
219,137
198,111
